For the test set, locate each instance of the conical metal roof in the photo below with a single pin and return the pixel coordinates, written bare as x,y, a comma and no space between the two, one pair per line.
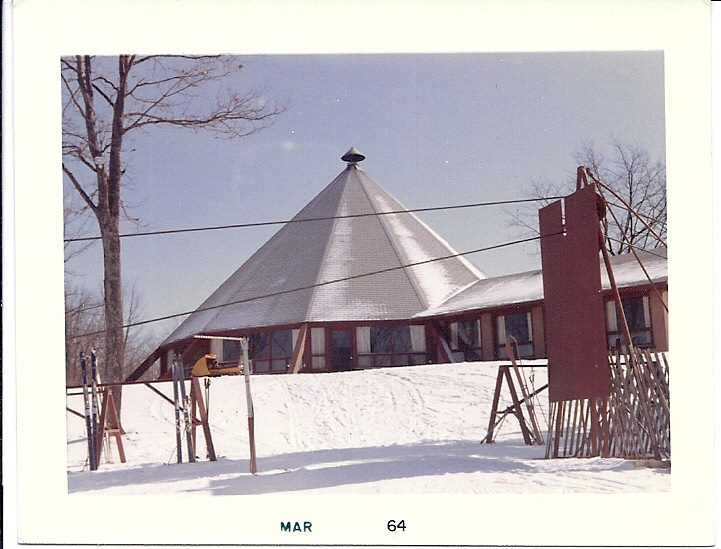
306,254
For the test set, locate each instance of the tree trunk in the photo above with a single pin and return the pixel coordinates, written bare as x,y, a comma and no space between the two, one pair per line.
114,337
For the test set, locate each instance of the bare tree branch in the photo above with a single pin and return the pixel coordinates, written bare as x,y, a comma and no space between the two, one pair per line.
638,182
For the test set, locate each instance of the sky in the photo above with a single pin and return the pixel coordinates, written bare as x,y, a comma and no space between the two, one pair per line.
436,129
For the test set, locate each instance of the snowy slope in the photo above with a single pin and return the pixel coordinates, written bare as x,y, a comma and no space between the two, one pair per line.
394,430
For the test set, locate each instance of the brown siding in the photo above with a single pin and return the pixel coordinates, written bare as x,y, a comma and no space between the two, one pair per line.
487,336
659,321
539,339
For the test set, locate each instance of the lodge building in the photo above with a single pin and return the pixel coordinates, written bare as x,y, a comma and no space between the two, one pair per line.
332,290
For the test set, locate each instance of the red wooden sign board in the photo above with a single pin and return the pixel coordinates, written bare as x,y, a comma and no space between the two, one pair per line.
573,303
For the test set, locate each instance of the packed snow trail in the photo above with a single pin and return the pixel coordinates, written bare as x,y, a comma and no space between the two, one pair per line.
393,430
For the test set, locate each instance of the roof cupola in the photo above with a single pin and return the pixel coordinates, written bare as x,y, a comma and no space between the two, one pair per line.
353,156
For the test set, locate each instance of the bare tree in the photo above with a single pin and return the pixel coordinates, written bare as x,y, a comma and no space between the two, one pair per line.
630,173
105,100
84,314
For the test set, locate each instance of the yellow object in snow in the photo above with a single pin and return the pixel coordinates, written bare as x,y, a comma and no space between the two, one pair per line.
208,366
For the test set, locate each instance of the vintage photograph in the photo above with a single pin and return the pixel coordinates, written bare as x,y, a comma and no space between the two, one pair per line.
397,273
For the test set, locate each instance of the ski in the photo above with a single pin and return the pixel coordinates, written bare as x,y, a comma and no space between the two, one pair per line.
94,408
187,419
178,440
86,400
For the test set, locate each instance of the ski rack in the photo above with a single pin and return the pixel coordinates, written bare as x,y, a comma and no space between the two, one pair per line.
530,436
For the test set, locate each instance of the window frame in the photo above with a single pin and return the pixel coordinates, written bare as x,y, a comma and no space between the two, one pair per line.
499,347
617,333
465,349
271,357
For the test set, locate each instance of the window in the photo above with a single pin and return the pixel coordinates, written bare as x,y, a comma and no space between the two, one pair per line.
271,351
231,351
636,310
466,339
317,348
390,345
519,326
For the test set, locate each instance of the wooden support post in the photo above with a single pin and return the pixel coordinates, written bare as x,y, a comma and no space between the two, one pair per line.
197,401
517,406
109,415
494,406
511,348
249,399
444,350
296,363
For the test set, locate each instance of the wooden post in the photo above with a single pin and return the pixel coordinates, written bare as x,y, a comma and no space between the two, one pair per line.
517,407
108,410
510,342
249,401
494,406
444,350
299,351
197,401
244,363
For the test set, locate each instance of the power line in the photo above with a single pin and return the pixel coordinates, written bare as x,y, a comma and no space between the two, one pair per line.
304,220
326,283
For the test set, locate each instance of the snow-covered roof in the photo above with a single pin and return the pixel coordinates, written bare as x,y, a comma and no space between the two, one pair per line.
526,287
312,252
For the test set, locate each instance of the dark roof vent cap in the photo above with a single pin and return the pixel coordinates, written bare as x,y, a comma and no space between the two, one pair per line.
352,156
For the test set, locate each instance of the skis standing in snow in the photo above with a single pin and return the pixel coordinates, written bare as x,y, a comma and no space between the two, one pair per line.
176,397
94,408
187,419
88,420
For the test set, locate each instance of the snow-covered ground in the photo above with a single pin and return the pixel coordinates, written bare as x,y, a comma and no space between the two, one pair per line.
394,430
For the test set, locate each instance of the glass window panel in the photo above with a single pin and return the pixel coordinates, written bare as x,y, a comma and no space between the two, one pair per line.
260,345
382,360
418,358
317,340
282,344
363,339
400,360
380,339
231,351
468,337
473,354
365,361
611,316
418,338
641,339
526,350
279,365
634,311
340,339
615,341
318,362
500,329
401,339
216,348
260,366
516,325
